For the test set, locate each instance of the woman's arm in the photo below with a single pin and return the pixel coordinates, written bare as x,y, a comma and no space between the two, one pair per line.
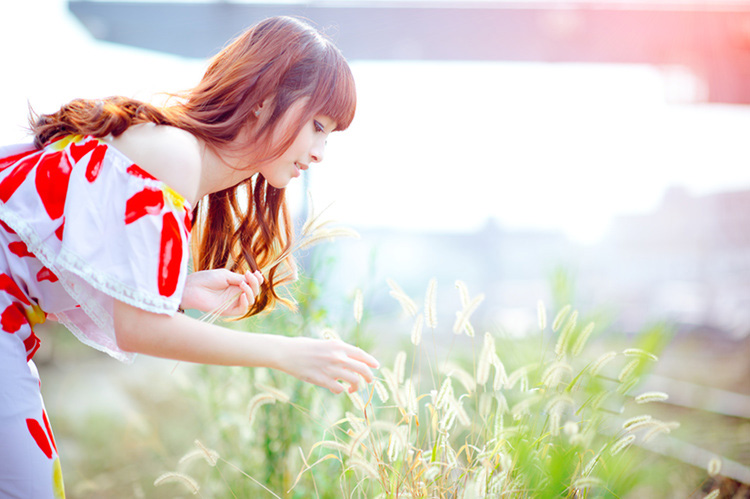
321,362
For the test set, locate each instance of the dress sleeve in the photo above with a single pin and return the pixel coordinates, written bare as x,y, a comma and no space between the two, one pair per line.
107,229
127,234
125,237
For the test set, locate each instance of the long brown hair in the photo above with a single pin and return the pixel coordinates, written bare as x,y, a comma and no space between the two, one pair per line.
273,64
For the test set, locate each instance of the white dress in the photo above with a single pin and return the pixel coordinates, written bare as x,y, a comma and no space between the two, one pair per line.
80,227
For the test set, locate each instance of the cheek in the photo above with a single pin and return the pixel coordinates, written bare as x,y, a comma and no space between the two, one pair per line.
302,143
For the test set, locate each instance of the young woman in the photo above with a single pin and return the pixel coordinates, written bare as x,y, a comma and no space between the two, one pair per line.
96,220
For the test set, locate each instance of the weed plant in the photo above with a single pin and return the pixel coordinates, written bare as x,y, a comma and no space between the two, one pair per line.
538,416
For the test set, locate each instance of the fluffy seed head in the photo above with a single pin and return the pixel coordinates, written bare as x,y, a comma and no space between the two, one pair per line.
501,378
461,414
627,371
557,404
515,377
562,342
483,366
571,428
554,372
444,394
363,466
621,444
454,371
381,391
356,400
329,334
257,401
587,482
430,304
560,317
330,444
714,466
406,302
327,234
636,422
399,366
174,476
469,330
637,352
210,455
357,440
554,423
601,362
410,395
278,394
355,422
462,318
416,330
463,292
358,305
582,339
647,397
541,315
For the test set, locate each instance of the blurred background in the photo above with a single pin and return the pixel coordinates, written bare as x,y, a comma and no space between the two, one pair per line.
592,152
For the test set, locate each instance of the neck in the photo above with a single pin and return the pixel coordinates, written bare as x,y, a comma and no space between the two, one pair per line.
219,171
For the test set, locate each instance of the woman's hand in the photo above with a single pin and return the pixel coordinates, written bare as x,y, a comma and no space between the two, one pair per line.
324,362
208,290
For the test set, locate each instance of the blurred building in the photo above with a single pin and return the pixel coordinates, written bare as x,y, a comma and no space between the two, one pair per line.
688,261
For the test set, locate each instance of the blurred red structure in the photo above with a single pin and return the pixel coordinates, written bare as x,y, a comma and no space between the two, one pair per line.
711,39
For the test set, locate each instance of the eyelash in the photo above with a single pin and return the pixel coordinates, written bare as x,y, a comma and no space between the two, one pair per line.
318,126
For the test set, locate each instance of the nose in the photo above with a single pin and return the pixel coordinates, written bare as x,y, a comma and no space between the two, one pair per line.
318,150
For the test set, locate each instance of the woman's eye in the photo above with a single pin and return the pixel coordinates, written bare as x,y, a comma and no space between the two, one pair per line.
319,126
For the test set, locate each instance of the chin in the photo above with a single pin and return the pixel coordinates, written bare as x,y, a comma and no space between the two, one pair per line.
277,184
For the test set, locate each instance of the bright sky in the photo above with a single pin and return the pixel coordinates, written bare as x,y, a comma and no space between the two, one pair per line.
438,146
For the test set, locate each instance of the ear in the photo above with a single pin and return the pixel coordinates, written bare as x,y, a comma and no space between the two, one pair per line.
265,104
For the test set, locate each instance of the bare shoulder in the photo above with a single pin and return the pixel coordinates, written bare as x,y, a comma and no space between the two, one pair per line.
170,154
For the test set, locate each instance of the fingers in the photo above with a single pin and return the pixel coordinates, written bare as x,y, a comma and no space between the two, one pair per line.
359,354
333,386
254,280
360,369
347,377
249,283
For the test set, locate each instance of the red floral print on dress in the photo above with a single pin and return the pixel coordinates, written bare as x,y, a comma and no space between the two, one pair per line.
52,176
13,318
10,184
149,201
59,230
20,249
31,344
170,255
49,429
152,201
6,227
46,275
11,160
39,436
9,286
137,171
77,151
95,163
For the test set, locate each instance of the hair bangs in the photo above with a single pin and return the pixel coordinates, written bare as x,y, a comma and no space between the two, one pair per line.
335,95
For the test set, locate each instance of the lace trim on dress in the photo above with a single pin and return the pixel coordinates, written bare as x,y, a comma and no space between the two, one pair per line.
67,262
126,357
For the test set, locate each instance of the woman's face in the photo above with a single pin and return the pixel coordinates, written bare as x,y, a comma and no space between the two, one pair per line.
307,148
